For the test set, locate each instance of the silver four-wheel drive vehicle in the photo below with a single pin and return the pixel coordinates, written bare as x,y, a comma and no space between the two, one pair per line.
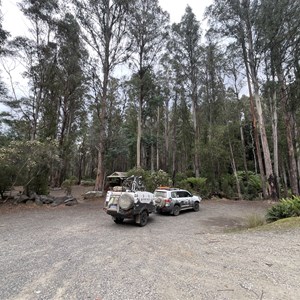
173,200
130,201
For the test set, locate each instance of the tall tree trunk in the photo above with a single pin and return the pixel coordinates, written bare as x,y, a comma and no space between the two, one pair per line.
291,154
233,165
244,150
289,133
174,139
196,142
254,124
167,138
99,183
157,139
139,135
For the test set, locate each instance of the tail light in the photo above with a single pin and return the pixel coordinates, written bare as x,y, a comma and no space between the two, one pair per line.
168,201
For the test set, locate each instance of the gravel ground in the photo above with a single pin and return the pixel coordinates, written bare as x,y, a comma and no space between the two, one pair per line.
80,253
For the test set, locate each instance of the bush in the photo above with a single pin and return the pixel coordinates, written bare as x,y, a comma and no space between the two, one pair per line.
159,178
228,185
28,163
87,182
197,185
67,185
255,221
289,207
250,184
7,177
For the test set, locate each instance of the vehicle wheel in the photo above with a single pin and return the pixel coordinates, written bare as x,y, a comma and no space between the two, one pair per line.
176,210
196,206
143,218
118,220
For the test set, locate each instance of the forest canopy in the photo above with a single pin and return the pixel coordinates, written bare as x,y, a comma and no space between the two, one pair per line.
214,110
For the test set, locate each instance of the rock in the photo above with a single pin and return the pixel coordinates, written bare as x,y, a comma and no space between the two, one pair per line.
71,201
47,199
32,195
21,199
38,200
92,194
59,200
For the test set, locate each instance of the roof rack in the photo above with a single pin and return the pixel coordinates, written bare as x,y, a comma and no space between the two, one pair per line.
166,188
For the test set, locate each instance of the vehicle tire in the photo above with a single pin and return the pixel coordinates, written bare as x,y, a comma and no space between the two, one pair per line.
118,220
126,201
196,206
143,218
176,210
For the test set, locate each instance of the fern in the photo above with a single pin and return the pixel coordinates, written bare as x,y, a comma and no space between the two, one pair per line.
289,207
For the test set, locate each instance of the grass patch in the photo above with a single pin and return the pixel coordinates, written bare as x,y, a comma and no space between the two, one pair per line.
258,223
254,221
280,225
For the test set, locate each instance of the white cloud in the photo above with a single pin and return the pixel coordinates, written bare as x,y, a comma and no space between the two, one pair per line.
177,8
13,19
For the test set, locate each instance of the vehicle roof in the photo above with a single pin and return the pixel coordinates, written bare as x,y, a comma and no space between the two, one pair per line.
166,188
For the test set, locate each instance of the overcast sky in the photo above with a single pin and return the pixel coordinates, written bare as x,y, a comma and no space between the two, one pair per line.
14,21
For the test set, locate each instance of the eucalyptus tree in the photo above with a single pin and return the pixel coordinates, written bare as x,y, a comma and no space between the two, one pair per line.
3,37
37,53
147,27
104,30
237,19
70,87
186,37
236,78
278,23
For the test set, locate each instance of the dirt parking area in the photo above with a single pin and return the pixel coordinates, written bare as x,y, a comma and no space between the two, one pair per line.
78,252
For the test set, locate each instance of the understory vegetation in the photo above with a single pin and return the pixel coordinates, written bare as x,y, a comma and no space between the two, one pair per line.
286,208
115,86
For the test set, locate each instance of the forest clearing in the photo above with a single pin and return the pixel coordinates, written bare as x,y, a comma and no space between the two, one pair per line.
78,253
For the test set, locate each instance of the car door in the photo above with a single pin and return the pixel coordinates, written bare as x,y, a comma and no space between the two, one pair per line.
183,198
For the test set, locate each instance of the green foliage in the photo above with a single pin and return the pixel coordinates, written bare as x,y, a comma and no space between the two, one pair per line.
288,207
27,163
198,185
7,177
88,182
68,183
159,178
251,185
255,221
227,186
151,180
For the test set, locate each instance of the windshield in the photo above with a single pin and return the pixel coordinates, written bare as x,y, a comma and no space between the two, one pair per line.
160,194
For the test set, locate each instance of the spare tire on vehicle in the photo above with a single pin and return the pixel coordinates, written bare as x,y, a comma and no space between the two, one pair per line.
126,201
160,202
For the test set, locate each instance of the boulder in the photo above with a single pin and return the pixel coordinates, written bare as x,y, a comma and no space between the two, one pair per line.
71,201
21,199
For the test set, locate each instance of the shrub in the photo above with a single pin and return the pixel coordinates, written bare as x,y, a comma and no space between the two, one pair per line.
197,185
28,163
250,184
159,178
67,185
255,221
87,182
289,207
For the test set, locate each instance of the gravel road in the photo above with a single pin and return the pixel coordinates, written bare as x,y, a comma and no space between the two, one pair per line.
80,253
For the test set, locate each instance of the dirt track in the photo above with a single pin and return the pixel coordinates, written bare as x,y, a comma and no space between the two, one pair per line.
80,253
